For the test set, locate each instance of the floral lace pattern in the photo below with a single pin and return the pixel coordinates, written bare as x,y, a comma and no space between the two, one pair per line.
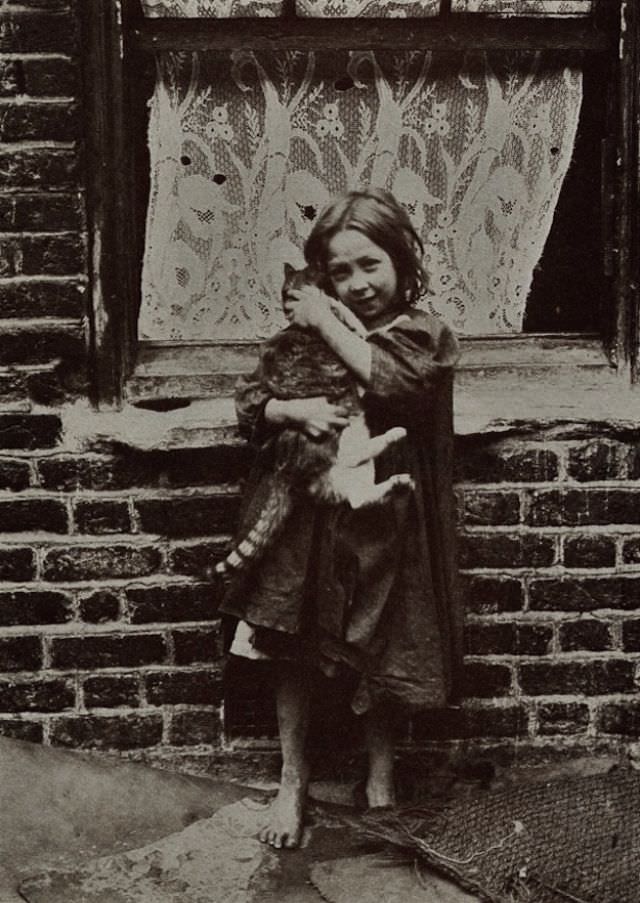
216,9
247,148
524,7
381,8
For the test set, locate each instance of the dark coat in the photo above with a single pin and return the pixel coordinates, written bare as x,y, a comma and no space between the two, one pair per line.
374,588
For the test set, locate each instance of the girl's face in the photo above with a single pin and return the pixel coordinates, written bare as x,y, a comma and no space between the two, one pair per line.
362,274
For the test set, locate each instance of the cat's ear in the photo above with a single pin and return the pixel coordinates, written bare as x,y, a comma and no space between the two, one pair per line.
288,271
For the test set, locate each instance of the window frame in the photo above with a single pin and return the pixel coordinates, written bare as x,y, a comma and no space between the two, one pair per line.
116,35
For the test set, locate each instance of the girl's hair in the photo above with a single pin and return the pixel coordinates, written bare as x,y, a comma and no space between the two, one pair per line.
376,213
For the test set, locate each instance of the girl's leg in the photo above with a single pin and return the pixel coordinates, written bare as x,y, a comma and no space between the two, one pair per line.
286,815
380,737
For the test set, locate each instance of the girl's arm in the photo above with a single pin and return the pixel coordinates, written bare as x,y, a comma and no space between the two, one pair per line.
312,308
315,415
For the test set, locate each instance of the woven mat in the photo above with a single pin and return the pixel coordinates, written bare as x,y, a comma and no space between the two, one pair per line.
576,840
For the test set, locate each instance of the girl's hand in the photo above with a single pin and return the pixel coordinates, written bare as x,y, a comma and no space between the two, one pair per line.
307,307
315,416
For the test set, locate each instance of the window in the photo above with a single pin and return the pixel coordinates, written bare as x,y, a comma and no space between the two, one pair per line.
503,125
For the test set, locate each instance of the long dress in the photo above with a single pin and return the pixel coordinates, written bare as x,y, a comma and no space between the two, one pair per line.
373,589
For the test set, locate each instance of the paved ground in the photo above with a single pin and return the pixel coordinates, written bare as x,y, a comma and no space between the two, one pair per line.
79,830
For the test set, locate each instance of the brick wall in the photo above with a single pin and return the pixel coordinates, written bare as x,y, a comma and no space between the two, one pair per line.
550,528
108,630
42,228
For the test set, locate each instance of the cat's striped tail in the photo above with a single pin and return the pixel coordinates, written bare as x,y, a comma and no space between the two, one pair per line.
269,523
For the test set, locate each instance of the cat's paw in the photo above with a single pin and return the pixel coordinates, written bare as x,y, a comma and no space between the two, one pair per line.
395,434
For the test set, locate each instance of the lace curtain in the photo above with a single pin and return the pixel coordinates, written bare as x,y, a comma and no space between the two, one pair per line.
334,8
216,9
247,148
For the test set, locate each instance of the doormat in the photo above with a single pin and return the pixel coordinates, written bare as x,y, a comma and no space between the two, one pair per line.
575,840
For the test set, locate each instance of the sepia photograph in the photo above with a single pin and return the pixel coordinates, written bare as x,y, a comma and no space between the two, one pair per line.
319,451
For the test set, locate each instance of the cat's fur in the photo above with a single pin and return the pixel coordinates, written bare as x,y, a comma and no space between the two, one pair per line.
338,466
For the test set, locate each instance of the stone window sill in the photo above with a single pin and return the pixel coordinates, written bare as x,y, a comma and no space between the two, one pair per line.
520,385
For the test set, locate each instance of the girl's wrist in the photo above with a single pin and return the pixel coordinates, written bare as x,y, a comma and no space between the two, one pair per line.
275,411
282,411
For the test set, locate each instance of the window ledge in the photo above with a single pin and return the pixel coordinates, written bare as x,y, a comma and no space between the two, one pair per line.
563,401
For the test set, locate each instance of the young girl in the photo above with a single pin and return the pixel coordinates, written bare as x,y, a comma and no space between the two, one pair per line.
371,591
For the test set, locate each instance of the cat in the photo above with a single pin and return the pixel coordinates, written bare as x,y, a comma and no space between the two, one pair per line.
335,467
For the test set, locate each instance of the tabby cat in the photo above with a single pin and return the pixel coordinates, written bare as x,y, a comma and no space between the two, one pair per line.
335,467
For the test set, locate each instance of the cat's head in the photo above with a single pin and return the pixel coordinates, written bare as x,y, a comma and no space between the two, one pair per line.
295,279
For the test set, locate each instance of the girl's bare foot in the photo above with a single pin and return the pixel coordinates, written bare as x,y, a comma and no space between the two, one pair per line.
286,814
381,791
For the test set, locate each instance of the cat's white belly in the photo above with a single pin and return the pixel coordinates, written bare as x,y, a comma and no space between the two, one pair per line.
352,477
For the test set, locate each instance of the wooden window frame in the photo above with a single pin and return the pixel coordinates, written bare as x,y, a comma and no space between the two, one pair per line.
115,34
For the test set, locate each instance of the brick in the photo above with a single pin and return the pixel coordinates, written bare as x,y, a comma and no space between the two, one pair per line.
505,465
138,470
41,213
33,607
43,5
469,723
562,718
599,460
16,729
12,388
93,562
107,732
53,387
589,552
490,595
620,718
577,507
102,517
504,550
36,32
37,696
30,346
590,635
100,607
71,474
29,431
194,728
196,560
631,550
631,635
91,652
482,679
111,692
17,564
486,507
586,678
49,168
508,639
585,594
192,647
176,602
28,515
11,77
42,255
184,687
14,475
20,653
42,299
39,121
50,77
181,517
